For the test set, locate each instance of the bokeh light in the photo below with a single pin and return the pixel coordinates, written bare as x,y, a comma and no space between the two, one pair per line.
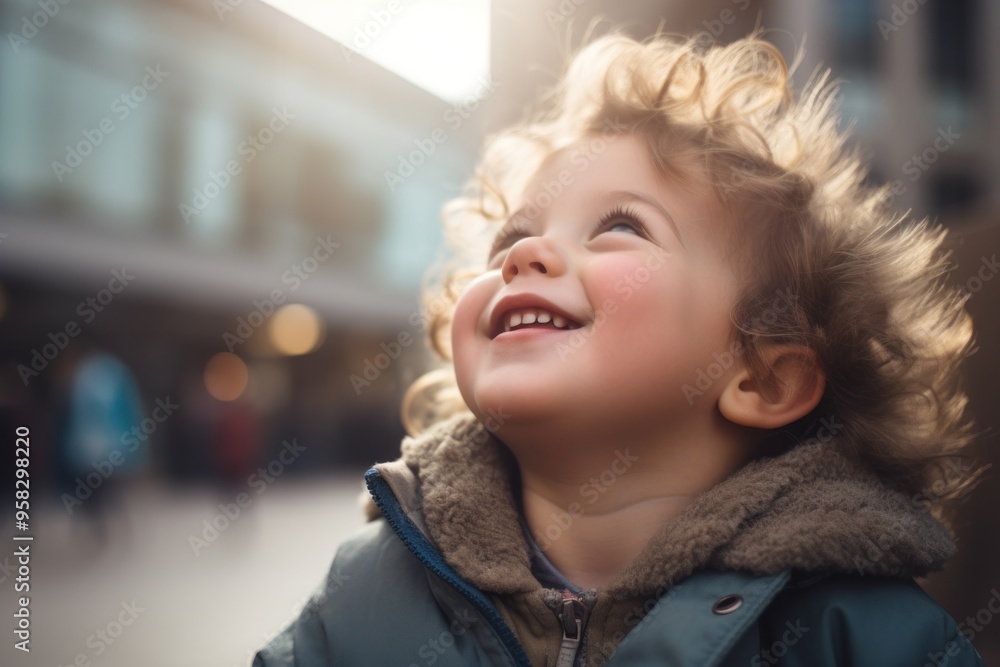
226,376
295,329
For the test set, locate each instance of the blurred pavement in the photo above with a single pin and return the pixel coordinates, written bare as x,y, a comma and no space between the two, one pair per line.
213,609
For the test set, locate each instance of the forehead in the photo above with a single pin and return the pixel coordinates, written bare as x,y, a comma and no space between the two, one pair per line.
617,162
592,160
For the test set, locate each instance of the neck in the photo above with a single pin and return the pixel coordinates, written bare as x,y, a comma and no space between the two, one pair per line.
597,515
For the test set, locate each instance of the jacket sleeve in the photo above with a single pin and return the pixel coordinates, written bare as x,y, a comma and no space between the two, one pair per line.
311,639
303,643
375,607
863,622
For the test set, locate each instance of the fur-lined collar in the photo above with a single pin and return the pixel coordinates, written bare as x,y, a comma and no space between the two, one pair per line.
808,508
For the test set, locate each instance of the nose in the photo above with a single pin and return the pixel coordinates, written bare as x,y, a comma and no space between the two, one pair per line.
532,254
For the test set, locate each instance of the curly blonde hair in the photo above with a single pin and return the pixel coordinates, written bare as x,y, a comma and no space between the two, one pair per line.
869,283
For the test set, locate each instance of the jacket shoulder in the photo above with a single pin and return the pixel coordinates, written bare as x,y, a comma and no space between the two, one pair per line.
861,620
369,571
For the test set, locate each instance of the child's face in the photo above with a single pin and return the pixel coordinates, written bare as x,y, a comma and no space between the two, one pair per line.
652,306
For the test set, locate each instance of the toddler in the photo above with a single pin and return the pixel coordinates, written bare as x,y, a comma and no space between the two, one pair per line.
698,404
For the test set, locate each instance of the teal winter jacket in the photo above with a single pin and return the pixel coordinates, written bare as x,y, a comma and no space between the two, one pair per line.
800,560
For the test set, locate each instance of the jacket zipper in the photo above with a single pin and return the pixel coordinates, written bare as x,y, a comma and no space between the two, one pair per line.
572,615
420,547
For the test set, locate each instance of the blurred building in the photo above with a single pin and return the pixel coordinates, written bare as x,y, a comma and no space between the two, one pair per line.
219,164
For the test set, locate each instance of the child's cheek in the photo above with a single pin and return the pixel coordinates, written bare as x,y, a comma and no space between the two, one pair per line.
638,285
469,318
642,311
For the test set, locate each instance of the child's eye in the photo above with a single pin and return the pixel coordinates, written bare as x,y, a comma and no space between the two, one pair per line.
621,217
625,225
503,239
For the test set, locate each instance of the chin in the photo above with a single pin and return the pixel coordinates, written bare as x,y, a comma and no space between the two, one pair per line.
508,404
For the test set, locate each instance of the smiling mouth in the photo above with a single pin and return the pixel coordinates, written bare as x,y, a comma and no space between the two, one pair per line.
525,320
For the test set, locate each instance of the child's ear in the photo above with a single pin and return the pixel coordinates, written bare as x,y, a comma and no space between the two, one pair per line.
800,384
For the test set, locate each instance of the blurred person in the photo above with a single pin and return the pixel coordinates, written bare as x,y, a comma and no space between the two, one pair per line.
97,406
238,445
702,402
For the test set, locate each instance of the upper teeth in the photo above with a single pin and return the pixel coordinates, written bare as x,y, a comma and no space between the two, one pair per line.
532,315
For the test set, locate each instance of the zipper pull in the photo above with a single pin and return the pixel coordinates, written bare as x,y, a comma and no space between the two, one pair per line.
571,615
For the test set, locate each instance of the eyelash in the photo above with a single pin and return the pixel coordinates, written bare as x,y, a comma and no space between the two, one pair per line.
616,215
